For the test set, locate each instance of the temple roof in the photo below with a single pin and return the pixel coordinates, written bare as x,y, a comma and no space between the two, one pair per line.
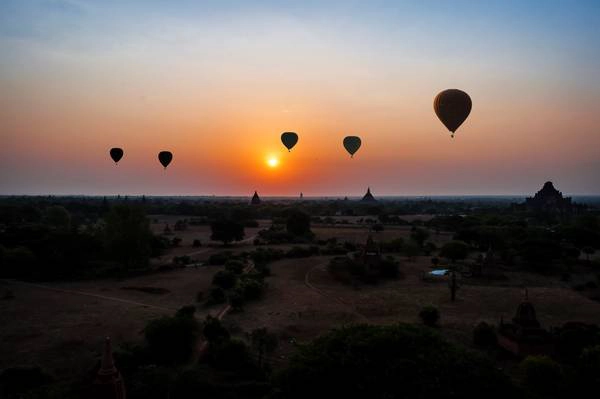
368,197
255,199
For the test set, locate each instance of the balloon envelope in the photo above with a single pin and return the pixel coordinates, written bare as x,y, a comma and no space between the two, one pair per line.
452,106
289,139
165,158
116,154
352,144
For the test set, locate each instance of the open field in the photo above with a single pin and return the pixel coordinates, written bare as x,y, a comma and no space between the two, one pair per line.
60,325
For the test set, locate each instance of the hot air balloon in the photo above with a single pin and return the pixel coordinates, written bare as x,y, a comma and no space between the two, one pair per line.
352,144
116,154
452,106
289,139
165,158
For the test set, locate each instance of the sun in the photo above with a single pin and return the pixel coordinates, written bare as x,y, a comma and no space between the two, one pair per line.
272,162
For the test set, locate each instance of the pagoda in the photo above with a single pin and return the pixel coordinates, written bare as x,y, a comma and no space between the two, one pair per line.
108,383
525,336
368,197
549,199
255,199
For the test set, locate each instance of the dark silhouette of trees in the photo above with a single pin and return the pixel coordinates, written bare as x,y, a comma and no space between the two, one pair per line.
227,231
127,235
396,361
171,340
298,223
454,250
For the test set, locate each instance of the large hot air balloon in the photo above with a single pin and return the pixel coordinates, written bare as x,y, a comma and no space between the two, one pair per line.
289,139
452,106
165,158
116,154
352,144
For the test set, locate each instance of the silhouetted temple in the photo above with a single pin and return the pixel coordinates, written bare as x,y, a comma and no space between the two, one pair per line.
549,199
255,199
525,336
368,197
108,383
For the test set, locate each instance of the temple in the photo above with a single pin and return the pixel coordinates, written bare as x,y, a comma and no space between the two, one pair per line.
255,199
368,197
108,383
549,199
525,336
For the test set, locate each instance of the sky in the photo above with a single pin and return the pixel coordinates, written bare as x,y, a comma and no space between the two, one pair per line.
217,82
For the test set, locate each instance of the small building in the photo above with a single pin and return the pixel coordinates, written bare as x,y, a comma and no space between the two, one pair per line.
255,199
108,383
368,197
525,336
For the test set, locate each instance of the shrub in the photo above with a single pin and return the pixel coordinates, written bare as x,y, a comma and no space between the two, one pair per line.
235,266
484,335
394,361
196,243
236,299
541,375
216,296
430,315
219,258
389,268
171,340
224,279
213,330
251,288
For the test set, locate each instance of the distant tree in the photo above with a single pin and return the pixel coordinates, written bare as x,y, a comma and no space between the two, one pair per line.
484,335
235,266
298,223
216,296
264,342
419,236
57,217
411,249
226,231
225,279
454,250
128,236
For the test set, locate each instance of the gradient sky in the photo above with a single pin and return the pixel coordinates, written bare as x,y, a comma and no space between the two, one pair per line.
216,82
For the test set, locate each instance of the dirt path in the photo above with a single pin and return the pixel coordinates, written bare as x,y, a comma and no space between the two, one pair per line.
90,294
330,296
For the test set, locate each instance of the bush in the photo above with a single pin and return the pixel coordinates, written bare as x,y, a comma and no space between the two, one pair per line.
236,299
213,330
171,340
251,288
216,296
395,361
196,243
430,316
484,335
298,223
224,279
542,376
389,268
219,258
235,266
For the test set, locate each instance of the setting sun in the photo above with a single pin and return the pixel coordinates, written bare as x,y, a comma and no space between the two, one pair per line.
272,162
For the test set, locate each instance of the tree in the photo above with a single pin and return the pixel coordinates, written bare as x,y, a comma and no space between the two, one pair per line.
298,223
226,231
171,340
57,217
542,376
213,330
263,342
393,361
419,236
411,249
430,315
225,279
454,250
128,235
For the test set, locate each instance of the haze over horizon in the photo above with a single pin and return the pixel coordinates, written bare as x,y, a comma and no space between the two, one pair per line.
217,82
